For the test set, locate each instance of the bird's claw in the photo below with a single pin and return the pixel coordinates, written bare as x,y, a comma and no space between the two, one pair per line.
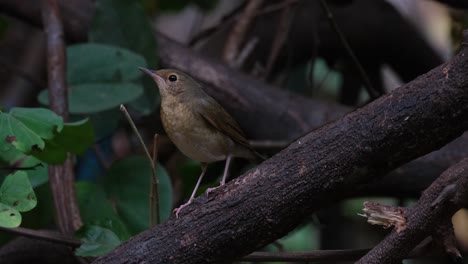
178,209
210,190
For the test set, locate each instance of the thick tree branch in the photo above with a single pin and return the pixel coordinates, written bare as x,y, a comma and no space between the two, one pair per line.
433,210
270,200
260,107
61,177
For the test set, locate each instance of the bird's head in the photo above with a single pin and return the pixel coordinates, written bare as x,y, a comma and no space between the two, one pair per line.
171,82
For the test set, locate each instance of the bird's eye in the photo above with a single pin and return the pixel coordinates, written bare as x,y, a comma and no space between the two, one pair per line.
172,78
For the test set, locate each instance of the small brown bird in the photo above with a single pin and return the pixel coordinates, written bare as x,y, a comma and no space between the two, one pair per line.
197,124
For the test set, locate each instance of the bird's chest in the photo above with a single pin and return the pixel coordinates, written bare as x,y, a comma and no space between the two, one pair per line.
191,134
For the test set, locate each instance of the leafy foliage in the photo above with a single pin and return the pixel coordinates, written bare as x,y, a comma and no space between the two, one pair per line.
128,183
124,23
41,133
29,136
106,223
96,209
102,77
96,241
27,128
16,195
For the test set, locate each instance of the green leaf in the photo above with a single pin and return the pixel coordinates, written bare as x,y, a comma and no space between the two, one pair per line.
124,23
76,137
302,239
53,153
88,98
37,176
43,121
97,63
25,128
37,171
96,209
96,240
8,153
105,122
93,202
9,217
16,191
127,184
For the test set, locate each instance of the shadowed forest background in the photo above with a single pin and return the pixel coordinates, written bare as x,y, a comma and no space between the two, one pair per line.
77,182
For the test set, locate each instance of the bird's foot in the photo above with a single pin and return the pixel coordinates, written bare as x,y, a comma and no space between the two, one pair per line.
177,210
210,190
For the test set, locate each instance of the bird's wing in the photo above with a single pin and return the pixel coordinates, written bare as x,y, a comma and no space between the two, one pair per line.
216,116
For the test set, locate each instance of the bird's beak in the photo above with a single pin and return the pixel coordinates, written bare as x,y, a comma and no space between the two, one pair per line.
152,74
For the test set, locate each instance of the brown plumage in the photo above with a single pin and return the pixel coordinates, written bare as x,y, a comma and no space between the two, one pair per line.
197,124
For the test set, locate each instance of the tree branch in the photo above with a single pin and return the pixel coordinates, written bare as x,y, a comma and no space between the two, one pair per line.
270,200
238,32
260,107
61,177
425,217
44,235
373,93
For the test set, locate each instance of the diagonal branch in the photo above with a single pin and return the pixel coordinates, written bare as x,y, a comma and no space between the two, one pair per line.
425,217
259,107
270,200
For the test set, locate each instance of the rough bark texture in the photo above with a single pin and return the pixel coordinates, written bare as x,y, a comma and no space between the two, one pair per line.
61,177
270,200
425,217
259,107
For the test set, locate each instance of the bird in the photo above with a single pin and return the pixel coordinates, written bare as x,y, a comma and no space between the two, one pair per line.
198,125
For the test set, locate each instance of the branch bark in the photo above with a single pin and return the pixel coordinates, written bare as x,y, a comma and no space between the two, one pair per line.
260,107
434,209
270,200
238,32
61,177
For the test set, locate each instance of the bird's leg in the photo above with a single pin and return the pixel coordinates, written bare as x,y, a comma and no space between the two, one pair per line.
226,170
204,166
225,174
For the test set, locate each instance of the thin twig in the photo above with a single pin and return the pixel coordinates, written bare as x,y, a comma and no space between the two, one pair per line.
282,32
238,32
367,84
152,164
154,194
233,17
43,235
245,52
135,130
